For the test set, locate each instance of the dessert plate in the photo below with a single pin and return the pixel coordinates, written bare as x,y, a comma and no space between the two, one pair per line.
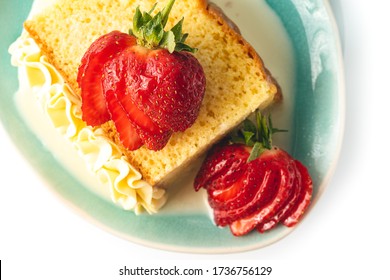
299,42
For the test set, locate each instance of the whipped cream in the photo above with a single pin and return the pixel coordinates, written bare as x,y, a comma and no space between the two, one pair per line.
62,108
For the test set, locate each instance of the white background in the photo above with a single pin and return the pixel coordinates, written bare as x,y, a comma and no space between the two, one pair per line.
347,233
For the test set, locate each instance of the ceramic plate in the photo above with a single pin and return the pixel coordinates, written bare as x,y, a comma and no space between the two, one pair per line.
299,43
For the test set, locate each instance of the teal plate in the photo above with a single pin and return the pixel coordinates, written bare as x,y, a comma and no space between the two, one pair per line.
315,95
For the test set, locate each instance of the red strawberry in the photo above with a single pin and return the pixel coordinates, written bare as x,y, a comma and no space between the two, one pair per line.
267,188
169,88
90,72
151,134
153,76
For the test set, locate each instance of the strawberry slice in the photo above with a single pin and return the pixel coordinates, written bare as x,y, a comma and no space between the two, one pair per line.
298,201
287,208
263,184
153,136
287,176
223,166
90,71
234,196
303,200
127,132
115,73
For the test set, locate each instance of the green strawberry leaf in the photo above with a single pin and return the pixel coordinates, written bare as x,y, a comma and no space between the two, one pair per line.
168,41
257,135
146,17
184,37
153,8
257,150
137,23
150,32
184,47
166,11
248,136
178,30
154,31
249,126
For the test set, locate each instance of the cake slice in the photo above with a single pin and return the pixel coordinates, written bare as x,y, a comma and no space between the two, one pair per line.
237,82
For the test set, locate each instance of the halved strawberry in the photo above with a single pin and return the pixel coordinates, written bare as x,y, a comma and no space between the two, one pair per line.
90,73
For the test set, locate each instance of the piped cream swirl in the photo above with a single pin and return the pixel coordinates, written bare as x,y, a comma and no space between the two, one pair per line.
103,158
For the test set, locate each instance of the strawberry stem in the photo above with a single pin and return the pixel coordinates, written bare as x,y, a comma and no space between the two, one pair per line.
257,135
150,33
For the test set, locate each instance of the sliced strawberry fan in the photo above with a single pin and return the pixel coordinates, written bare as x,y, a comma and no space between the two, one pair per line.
252,184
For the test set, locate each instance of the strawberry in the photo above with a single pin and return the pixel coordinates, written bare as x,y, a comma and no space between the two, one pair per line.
152,75
252,184
168,82
171,89
90,72
150,133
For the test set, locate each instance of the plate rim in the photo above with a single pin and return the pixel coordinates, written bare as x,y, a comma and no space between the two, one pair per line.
252,246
